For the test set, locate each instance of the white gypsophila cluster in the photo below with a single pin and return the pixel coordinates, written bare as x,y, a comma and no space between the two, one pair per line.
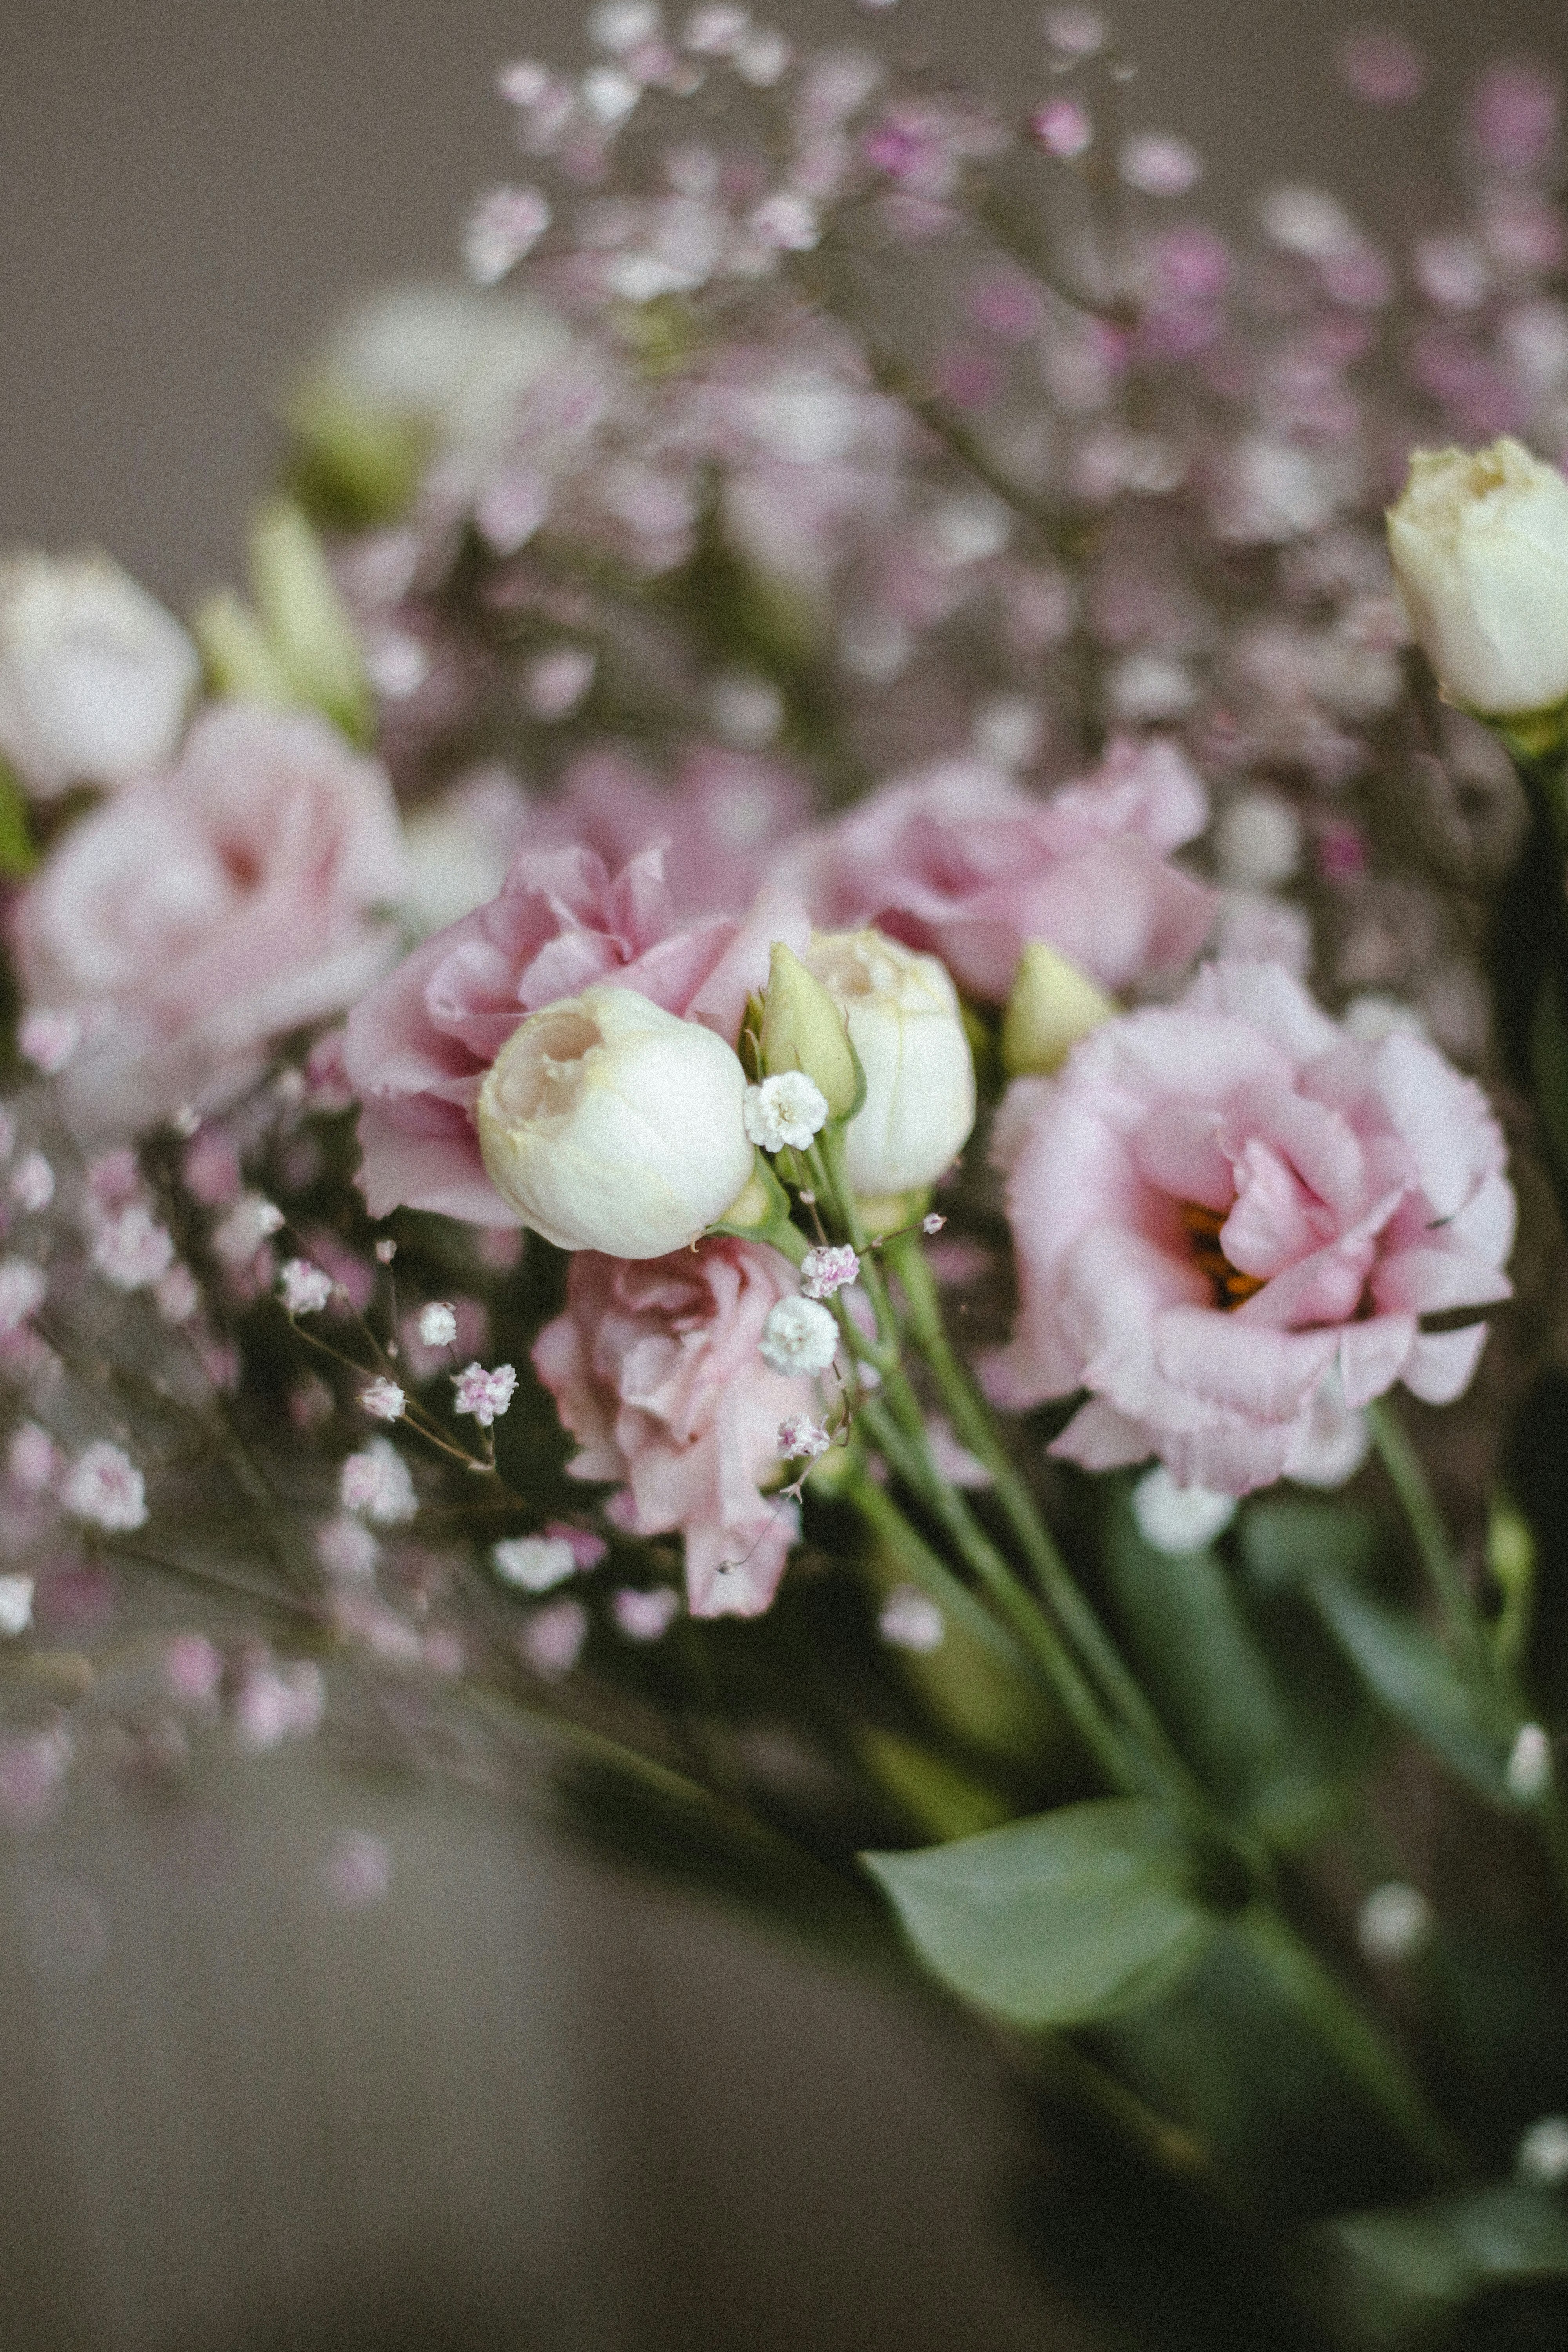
1395,1923
252,1221
32,1184
784,1112
826,1269
533,1563
104,1486
1177,1519
383,1399
23,1289
799,1337
33,1460
644,1616
801,1439
303,1288
276,1703
47,1035
15,1605
1541,2156
910,1620
437,1324
485,1395
130,1249
552,1638
378,1484
1528,1773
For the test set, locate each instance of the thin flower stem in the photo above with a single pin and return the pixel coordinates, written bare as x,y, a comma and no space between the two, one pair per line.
1406,1474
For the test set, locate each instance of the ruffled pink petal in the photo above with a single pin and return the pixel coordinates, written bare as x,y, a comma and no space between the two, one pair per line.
1246,1368
1442,1364
1100,1438
1372,1355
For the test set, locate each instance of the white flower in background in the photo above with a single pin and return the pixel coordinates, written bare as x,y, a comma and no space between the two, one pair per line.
608,1124
437,1324
346,1548
132,1250
303,1288
909,1620
376,1483
551,1642
32,1185
1176,1519
801,1439
799,1337
277,1703
789,1110
1395,1922
34,1461
104,1486
623,26
15,1605
1541,2156
504,226
644,1616
533,1563
252,1221
49,1035
1257,842
788,222
384,1401
1529,1774
485,1395
828,1269
95,675
1479,543
176,1295
357,1871
904,1023
23,1289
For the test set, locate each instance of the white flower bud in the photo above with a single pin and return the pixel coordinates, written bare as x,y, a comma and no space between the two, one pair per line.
608,1124
1480,542
905,1025
95,675
1177,1519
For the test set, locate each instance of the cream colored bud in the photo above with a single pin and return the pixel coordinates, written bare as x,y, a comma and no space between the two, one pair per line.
304,616
905,1025
608,1123
95,675
1053,1004
241,661
1479,543
803,1030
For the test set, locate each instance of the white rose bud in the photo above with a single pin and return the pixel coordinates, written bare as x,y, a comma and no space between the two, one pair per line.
905,1025
608,1124
95,675
1480,542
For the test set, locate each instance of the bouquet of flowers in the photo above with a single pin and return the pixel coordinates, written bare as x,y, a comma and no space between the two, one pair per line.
785,1101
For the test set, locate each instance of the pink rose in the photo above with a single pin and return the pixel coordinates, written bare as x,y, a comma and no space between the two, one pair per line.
418,1045
962,862
1213,1204
655,1370
209,910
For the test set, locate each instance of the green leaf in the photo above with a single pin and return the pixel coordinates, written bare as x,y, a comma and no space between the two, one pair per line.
1412,1677
1290,1540
1393,2275
18,851
1071,1916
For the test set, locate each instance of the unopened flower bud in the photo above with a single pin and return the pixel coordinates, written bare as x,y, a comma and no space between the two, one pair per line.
95,675
1479,543
803,1030
303,615
608,1124
905,1025
1053,1004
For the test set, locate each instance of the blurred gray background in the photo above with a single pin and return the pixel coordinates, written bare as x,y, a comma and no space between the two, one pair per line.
524,2103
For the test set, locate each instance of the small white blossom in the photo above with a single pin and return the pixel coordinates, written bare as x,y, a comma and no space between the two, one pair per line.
15,1605
620,25
609,95
552,1640
32,1184
933,1223
253,1219
788,222
1159,163
23,1288
104,1486
1529,1773
909,1620
555,684
644,1616
357,1871
346,1548
385,1251
1177,1519
716,30
801,1439
1541,2156
131,1249
383,1399
799,1337
49,1035
277,1703
503,226
789,1110
438,1324
822,1271
377,1484
34,1461
485,1394
303,1288
1395,1922
176,1296
533,1563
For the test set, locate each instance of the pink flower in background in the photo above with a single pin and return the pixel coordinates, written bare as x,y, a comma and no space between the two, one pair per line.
967,865
207,910
1215,1204
723,818
419,1044
655,1370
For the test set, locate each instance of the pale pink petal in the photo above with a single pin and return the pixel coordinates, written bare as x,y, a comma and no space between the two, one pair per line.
1442,1364
1372,1356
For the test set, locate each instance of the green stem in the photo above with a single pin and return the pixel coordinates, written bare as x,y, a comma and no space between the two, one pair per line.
1406,1474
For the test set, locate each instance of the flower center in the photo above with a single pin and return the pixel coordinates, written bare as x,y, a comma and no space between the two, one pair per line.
1231,1287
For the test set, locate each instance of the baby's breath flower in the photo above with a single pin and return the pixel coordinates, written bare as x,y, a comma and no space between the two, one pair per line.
303,1288
826,1270
505,224
789,1110
15,1605
907,1620
32,1184
485,1394
533,1563
23,1289
49,1035
799,1337
131,1249
104,1486
383,1399
34,1461
552,1640
376,1483
801,1439
438,1324
644,1616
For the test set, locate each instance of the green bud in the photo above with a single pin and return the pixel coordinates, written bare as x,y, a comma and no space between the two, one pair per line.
352,460
303,617
1053,1004
803,1029
241,662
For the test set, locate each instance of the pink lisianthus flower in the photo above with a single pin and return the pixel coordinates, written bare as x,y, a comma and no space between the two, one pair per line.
723,818
207,910
418,1045
655,1370
965,864
1216,1204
